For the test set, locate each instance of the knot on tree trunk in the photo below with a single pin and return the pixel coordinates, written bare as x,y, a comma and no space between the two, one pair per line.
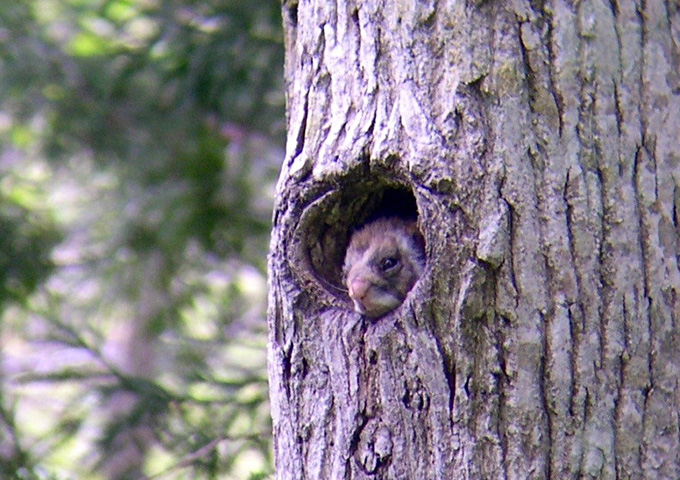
375,446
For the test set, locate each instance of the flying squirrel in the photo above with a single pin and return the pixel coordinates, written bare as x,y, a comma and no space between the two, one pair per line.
383,261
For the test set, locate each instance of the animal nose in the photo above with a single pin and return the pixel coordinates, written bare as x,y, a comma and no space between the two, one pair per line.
358,288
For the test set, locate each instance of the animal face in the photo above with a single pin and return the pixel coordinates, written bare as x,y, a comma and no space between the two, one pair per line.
383,262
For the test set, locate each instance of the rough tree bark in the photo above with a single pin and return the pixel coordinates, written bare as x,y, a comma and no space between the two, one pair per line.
538,143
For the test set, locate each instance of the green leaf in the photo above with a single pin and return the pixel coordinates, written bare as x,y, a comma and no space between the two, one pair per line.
87,44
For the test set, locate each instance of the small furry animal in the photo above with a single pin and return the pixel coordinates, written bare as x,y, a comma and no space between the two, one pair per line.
384,260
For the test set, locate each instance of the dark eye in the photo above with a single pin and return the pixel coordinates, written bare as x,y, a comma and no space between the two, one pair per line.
388,263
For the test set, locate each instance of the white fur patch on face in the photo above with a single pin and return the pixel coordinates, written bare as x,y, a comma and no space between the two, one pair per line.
376,303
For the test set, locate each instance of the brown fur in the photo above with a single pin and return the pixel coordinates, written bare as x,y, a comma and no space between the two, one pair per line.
384,260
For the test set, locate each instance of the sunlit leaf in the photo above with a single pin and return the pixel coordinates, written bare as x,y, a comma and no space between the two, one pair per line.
121,10
22,137
87,44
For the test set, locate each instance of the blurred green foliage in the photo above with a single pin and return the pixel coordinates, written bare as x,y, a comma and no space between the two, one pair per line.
139,145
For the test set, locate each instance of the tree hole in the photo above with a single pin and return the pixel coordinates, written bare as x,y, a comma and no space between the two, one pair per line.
331,222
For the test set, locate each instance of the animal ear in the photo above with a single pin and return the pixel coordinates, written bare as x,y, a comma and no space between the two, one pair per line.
414,233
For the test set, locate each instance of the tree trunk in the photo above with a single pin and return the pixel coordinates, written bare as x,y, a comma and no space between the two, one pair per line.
130,417
538,144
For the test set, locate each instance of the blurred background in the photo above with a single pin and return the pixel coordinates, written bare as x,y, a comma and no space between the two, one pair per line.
140,142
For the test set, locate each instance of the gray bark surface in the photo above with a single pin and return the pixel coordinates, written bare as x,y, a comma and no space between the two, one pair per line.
538,142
